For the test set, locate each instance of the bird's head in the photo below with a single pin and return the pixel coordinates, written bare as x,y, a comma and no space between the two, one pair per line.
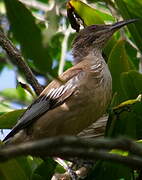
98,35
95,36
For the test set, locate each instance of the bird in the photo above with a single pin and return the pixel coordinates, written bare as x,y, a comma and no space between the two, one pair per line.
79,98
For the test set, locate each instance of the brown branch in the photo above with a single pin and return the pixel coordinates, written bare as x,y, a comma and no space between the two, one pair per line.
67,147
16,57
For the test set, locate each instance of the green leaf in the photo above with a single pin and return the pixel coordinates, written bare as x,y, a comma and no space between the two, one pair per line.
126,120
132,53
89,15
34,162
36,177
105,16
129,10
25,165
45,169
13,170
28,34
8,120
118,63
132,84
53,25
109,46
4,107
17,95
110,171
55,43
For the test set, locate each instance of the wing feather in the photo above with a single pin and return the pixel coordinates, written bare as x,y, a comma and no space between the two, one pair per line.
45,102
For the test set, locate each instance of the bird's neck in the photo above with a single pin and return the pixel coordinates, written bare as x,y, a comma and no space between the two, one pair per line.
80,53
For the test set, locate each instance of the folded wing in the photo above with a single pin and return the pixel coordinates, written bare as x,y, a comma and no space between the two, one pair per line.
45,102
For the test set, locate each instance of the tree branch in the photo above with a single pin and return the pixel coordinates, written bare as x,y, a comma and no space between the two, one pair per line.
64,50
16,57
68,146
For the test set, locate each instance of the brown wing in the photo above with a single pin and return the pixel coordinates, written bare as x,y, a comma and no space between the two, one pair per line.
54,95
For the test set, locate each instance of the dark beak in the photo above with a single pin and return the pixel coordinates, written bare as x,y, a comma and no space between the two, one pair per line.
120,24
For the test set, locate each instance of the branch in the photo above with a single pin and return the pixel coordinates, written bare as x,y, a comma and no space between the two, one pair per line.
16,57
64,50
68,146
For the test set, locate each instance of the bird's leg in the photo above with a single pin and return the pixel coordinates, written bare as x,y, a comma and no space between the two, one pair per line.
69,170
78,169
83,167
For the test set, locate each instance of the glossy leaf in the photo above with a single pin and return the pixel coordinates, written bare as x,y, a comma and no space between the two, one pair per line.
45,169
28,34
129,10
132,84
132,5
17,95
118,63
110,171
132,53
52,29
109,46
12,170
88,14
126,120
5,107
25,165
9,119
105,16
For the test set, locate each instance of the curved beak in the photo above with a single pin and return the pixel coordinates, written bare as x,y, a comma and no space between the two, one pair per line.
120,24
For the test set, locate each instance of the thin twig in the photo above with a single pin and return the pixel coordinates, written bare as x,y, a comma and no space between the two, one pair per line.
139,54
68,146
16,58
64,50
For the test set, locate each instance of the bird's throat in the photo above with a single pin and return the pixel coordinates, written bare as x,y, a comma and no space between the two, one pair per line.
80,53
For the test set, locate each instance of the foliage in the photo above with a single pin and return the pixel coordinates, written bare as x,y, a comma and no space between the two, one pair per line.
42,32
